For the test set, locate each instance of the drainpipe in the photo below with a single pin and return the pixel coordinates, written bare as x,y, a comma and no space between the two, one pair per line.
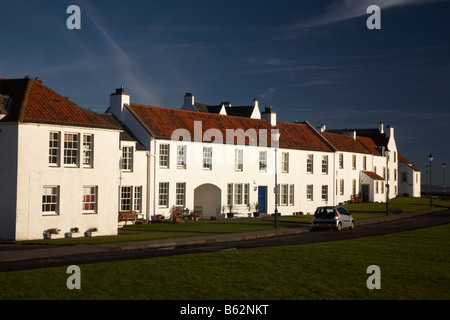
147,193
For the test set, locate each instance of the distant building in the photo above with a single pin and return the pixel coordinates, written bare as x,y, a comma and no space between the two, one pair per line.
409,178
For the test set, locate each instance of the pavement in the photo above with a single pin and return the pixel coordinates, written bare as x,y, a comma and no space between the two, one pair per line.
14,252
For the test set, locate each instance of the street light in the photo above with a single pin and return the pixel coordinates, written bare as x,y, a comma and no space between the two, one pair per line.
430,158
275,139
443,177
387,153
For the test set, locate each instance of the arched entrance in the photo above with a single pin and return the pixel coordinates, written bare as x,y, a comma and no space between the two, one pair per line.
209,197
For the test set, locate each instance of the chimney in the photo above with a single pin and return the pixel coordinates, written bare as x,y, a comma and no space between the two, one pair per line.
350,134
255,103
323,128
390,131
381,128
226,104
117,102
189,102
256,114
270,116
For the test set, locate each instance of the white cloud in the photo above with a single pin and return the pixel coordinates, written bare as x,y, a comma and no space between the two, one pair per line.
342,10
128,67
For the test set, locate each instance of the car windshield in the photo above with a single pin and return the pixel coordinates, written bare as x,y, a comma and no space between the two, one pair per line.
325,213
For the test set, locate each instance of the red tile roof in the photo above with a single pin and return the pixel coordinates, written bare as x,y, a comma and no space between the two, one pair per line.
372,175
162,122
344,143
403,160
369,144
34,102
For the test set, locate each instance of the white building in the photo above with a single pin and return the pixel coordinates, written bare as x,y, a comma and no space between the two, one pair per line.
409,178
64,167
58,163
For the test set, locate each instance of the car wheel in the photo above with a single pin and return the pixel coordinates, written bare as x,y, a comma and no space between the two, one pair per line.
352,225
339,227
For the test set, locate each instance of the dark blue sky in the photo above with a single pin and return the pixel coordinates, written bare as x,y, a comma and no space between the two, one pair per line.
309,60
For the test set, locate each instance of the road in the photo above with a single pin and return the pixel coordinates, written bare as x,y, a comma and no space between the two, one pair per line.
417,222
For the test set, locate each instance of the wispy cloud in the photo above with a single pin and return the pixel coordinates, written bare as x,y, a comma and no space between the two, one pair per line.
128,67
342,10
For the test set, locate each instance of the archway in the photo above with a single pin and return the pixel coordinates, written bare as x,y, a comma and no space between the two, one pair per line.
209,198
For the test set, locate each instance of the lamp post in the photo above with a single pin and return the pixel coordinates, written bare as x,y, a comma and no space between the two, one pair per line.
275,139
430,158
387,153
443,177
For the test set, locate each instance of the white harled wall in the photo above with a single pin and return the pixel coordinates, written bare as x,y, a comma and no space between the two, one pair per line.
34,172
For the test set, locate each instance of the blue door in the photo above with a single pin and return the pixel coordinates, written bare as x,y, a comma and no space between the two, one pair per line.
365,192
262,199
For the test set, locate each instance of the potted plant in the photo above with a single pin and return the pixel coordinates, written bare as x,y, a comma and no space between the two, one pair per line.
52,233
230,209
158,217
91,232
175,216
256,208
74,233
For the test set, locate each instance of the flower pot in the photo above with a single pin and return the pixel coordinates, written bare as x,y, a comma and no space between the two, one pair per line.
230,215
256,214
74,235
53,236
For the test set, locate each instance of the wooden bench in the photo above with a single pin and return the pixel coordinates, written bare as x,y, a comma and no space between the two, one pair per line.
128,216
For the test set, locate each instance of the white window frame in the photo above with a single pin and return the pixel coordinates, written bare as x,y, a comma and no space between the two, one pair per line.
325,192
54,148
89,199
341,161
180,199
71,149
324,164
353,161
230,193
126,198
164,155
207,158
50,200
127,158
310,163
163,198
262,161
137,200
291,194
238,160
181,156
238,193
284,194
88,150
310,192
285,162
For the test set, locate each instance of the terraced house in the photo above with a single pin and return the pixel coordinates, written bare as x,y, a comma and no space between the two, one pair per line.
65,167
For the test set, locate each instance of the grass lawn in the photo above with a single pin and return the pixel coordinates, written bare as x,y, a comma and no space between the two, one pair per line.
167,230
414,265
